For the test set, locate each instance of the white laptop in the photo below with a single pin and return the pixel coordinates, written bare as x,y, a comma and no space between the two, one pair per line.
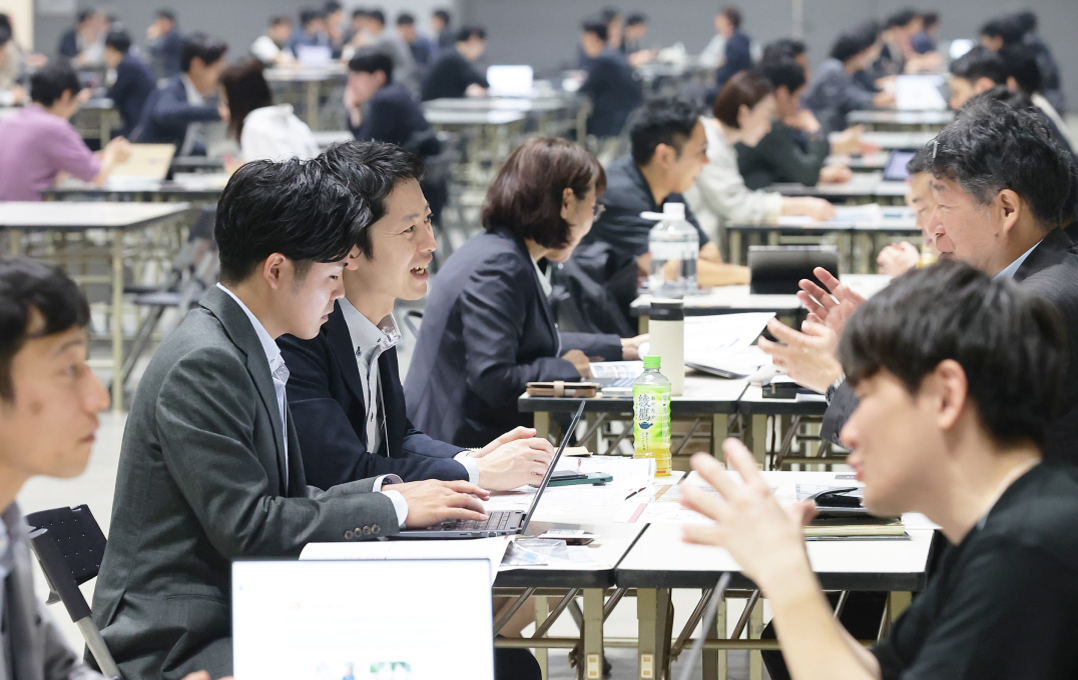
362,620
919,93
314,55
510,81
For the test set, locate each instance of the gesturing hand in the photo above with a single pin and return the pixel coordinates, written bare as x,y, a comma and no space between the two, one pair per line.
809,357
766,540
580,362
821,304
432,502
514,464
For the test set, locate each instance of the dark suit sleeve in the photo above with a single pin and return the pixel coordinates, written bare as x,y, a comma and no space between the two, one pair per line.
843,404
173,110
206,412
780,159
332,451
605,345
600,74
493,314
124,82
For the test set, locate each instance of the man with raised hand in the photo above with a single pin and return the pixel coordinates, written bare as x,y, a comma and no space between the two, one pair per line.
210,467
958,375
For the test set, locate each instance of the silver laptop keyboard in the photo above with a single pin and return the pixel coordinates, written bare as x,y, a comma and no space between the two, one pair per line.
496,521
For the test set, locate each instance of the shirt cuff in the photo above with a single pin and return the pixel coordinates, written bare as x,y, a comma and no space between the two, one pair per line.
470,464
399,504
385,479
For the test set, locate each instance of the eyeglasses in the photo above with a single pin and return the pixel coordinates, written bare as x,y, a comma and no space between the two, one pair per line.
597,210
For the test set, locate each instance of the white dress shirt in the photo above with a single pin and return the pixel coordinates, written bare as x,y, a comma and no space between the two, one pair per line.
371,342
275,133
1010,270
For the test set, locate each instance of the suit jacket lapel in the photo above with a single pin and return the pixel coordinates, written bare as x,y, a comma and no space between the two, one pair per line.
544,304
242,333
341,340
1050,250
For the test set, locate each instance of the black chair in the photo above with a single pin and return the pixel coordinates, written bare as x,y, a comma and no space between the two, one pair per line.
69,546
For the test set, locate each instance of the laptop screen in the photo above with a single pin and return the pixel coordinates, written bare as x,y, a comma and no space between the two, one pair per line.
895,170
510,81
362,620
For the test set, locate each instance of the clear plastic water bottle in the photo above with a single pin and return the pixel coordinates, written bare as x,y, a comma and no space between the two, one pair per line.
674,246
651,416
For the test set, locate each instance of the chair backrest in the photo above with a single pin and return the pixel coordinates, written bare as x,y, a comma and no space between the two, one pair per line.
77,536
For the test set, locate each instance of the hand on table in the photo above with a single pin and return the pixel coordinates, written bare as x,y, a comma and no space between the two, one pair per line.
515,463
580,362
835,174
766,540
630,347
432,502
820,303
898,258
807,357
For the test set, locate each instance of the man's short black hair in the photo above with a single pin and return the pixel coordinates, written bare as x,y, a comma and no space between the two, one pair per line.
920,161
210,50
930,19
902,17
992,146
783,72
332,7
309,14
980,62
1026,21
1020,63
784,48
49,83
608,14
636,18
1004,27
5,34
280,19
359,13
466,32
851,43
597,27
30,288
85,15
378,15
668,120
406,19
1011,345
733,15
166,14
441,14
370,171
369,61
118,40
1002,93
296,208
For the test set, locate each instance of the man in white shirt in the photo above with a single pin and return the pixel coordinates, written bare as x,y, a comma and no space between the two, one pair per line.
272,48
345,389
210,469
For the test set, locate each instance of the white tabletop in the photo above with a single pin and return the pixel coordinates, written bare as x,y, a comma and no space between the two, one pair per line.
304,73
898,140
458,117
521,104
80,215
893,117
847,218
739,299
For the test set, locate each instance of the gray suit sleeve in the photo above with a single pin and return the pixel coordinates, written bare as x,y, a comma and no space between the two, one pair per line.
208,411
843,404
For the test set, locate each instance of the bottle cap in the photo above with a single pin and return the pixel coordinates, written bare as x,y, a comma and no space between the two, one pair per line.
675,210
667,310
653,361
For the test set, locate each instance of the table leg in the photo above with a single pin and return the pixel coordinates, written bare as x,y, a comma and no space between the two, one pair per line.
542,424
714,659
720,426
756,627
117,321
756,438
313,91
899,602
649,645
14,242
542,654
595,440
592,668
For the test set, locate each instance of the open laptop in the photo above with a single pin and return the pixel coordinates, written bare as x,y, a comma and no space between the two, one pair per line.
895,170
510,80
320,620
919,93
147,161
499,523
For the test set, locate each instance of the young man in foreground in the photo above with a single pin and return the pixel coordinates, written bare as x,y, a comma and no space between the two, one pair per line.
957,375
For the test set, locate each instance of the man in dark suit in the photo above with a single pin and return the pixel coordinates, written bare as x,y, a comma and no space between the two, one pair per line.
178,113
211,468
1003,186
345,389
611,84
738,46
453,74
392,113
134,80
81,44
166,44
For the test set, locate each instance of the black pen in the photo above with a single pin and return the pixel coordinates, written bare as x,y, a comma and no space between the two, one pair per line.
633,494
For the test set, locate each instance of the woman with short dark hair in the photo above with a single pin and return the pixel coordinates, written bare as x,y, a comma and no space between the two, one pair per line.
488,329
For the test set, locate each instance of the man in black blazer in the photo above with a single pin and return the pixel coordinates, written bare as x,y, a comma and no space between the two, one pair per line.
392,114
345,388
179,112
134,80
611,84
211,468
1004,187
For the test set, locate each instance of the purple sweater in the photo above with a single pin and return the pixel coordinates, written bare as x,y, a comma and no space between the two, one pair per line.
35,145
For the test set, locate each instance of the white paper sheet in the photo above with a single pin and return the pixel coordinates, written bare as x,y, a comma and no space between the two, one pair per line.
491,549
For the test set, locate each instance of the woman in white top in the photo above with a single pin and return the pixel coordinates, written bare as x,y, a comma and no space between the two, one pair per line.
743,112
264,131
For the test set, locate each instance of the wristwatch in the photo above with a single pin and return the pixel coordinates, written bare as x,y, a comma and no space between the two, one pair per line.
830,393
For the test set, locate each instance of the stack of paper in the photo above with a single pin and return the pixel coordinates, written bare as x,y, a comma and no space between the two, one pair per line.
722,344
490,549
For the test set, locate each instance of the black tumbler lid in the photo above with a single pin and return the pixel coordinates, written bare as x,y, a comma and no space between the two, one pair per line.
667,310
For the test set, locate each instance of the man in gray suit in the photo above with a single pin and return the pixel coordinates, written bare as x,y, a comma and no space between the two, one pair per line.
210,468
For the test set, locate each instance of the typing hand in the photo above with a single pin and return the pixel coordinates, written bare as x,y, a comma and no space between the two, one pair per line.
766,540
821,304
580,362
510,436
898,258
515,464
432,502
808,357
835,174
